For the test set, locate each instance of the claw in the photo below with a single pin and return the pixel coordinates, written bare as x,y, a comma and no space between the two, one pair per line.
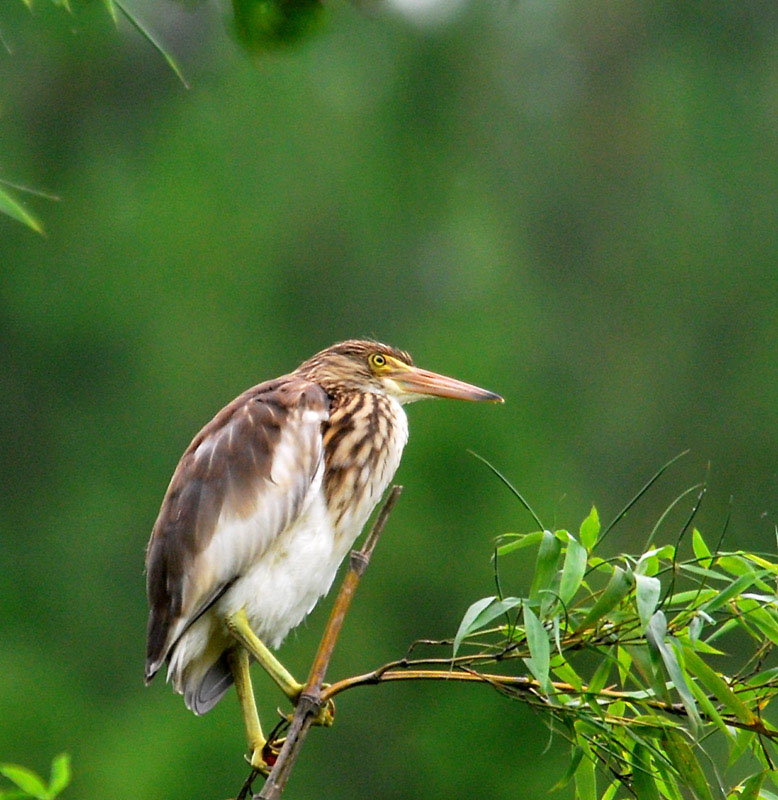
325,717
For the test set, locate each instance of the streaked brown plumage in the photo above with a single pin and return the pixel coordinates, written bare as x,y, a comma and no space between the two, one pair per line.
265,503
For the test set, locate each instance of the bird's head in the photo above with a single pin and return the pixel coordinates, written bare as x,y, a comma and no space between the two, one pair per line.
365,366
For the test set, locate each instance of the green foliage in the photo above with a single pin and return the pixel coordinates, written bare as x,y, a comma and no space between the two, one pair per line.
29,784
13,208
691,637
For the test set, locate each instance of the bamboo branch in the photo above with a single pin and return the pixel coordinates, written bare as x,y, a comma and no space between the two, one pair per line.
522,684
312,700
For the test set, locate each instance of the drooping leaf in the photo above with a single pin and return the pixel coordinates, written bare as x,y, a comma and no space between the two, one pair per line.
565,672
655,635
682,757
643,781
539,648
647,592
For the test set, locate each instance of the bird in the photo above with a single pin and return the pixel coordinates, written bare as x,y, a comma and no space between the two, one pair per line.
261,509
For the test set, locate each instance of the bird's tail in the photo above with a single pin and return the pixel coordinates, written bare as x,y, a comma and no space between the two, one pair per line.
198,667
203,693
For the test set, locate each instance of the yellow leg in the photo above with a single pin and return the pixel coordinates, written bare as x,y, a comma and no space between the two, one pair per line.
238,626
239,664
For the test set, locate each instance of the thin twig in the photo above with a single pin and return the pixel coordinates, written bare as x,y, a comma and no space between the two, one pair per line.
312,702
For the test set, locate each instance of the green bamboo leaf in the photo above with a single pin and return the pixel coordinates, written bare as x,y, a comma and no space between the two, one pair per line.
520,541
717,686
708,709
566,673
152,40
546,564
14,209
643,781
13,794
761,618
684,598
60,774
585,780
601,675
575,760
752,786
590,530
610,792
655,635
743,741
735,588
763,562
27,780
738,565
111,8
667,783
682,757
624,660
616,590
539,648
465,627
647,592
700,548
704,572
480,614
572,571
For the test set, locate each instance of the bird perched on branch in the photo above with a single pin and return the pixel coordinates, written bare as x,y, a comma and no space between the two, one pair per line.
264,505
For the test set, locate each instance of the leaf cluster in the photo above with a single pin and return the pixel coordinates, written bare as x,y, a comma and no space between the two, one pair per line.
650,665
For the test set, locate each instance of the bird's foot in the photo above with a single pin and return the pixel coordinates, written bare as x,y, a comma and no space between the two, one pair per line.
262,760
263,757
324,717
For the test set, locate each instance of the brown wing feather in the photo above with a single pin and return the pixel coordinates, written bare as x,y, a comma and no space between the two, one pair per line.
227,469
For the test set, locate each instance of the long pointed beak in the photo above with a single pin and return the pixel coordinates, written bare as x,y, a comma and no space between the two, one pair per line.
422,382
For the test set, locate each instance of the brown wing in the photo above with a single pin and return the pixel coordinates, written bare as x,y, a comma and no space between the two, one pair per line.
241,481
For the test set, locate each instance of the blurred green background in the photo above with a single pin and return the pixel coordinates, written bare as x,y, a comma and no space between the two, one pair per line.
573,204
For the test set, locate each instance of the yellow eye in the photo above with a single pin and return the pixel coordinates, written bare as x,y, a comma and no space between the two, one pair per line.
377,360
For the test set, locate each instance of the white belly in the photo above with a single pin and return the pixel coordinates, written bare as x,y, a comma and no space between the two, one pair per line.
283,586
